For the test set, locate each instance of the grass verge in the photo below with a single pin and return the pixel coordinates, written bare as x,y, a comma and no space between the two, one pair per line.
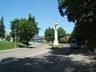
10,45
94,61
59,45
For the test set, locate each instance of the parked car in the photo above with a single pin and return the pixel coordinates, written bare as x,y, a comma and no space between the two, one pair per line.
73,43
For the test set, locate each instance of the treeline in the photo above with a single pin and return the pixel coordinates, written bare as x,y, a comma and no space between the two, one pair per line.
83,14
62,36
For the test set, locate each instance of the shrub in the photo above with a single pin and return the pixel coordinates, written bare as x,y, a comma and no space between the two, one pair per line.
63,40
21,45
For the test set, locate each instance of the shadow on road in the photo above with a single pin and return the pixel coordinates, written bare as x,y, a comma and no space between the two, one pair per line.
28,47
68,51
50,63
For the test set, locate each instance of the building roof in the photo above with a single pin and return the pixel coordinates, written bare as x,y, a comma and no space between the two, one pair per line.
37,37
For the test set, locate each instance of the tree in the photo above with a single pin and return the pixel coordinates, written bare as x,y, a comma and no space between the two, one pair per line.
61,34
2,28
25,29
49,34
83,14
63,40
8,38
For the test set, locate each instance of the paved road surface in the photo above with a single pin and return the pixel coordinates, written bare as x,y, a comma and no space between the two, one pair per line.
34,49
55,60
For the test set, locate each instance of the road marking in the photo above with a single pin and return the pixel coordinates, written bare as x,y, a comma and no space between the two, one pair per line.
26,57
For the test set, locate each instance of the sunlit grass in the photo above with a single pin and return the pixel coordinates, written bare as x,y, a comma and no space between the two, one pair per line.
94,61
10,45
59,45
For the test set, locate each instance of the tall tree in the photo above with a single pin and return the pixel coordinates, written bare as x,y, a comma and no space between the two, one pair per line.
25,28
83,14
2,28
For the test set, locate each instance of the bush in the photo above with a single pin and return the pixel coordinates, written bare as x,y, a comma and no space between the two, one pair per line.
21,45
63,40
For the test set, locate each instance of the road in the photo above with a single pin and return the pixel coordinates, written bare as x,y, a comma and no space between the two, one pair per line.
40,58
34,49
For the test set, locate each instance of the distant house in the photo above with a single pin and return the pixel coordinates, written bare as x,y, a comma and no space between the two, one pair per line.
68,37
6,34
38,39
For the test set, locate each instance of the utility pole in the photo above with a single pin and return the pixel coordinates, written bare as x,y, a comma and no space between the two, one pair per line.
15,37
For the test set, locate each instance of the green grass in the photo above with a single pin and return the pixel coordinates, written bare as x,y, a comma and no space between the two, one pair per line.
21,45
94,61
10,45
39,42
59,45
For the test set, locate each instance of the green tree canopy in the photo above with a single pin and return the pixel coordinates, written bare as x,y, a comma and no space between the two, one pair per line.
83,14
49,34
25,28
61,33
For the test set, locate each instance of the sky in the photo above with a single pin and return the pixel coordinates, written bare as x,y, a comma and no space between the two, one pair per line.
45,11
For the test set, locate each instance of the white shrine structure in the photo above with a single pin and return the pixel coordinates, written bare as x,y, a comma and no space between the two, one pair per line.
56,34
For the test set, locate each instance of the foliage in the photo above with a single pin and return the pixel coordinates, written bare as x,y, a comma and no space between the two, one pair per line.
2,28
10,45
61,33
49,34
68,34
83,14
21,44
7,38
63,40
25,29
7,45
94,61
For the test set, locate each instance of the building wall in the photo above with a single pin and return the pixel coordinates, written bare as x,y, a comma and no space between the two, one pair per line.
38,40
